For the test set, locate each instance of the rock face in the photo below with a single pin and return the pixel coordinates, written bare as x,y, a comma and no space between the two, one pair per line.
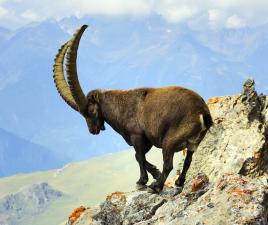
227,180
237,143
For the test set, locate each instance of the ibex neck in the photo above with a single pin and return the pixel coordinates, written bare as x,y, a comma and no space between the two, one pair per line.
113,107
119,108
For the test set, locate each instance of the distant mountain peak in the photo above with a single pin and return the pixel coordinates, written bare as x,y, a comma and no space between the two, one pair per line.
27,203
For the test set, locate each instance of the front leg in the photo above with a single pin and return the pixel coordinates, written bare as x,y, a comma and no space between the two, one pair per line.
143,173
141,145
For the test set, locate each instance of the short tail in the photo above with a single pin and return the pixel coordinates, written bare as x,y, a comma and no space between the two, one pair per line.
208,120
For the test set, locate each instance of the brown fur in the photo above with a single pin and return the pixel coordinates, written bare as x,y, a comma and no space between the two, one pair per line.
168,118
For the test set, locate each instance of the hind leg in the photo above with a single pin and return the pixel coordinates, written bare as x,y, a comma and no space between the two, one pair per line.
175,139
187,162
191,148
158,185
152,169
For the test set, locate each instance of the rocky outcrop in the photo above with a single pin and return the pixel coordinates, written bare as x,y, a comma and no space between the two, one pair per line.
237,142
226,183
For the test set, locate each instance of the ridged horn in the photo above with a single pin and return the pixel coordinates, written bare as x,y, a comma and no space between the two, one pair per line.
71,69
59,79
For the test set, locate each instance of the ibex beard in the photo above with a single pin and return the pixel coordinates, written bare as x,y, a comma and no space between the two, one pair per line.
172,118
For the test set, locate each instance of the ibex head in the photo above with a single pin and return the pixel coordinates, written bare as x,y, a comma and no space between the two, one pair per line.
71,91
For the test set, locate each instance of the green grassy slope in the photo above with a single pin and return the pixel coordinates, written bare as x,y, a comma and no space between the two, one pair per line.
83,183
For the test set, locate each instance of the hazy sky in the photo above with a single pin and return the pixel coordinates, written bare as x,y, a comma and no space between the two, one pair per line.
212,14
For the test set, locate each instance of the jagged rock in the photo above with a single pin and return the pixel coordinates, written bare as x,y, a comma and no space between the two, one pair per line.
254,102
227,180
234,144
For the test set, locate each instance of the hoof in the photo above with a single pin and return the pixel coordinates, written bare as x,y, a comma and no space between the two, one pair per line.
180,183
152,191
142,181
141,187
154,188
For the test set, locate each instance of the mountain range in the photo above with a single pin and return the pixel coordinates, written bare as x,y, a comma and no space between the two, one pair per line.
18,155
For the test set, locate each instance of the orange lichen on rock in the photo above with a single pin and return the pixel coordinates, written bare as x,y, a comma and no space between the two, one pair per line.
229,179
238,192
214,100
114,194
241,192
118,200
197,184
75,215
244,195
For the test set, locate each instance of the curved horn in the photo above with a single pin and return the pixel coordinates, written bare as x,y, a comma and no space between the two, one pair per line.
59,78
71,70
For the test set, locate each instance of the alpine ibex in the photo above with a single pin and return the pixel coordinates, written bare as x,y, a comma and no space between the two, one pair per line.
171,118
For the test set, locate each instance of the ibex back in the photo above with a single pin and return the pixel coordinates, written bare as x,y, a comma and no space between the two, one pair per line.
171,118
